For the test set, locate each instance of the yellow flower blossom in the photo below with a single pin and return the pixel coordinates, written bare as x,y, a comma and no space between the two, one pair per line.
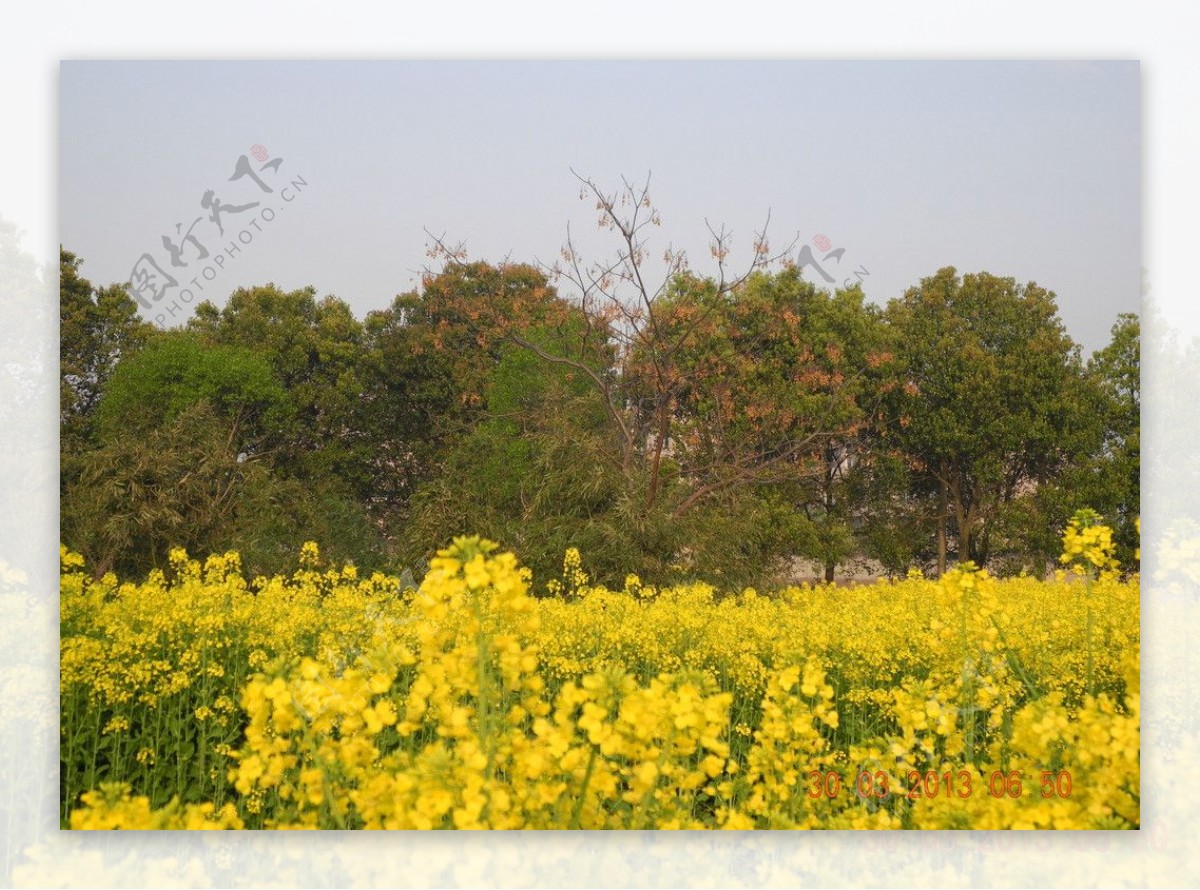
322,699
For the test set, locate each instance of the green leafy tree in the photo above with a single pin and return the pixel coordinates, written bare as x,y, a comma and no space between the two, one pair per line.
331,436
1106,477
1117,369
175,371
193,450
428,363
994,402
97,329
138,495
180,431
534,472
891,505
185,483
315,349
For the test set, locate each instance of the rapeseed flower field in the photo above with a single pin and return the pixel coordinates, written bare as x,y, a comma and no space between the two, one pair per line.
204,699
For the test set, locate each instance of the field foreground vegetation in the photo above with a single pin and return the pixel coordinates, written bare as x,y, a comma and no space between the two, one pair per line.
321,699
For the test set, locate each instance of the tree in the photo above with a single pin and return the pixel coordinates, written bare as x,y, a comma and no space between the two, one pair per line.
138,495
652,322
783,383
1106,477
841,365
181,431
533,472
185,483
174,372
427,364
993,403
316,352
716,396
97,328
192,451
1117,368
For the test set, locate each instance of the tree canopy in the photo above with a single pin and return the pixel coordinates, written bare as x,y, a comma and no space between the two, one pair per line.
663,419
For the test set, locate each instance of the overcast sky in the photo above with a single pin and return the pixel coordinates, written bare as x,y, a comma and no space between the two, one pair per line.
1028,170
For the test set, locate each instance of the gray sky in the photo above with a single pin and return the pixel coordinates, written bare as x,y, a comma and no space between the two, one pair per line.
1028,170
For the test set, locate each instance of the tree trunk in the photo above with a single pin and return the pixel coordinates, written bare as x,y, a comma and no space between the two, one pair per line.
664,420
830,472
964,521
941,529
